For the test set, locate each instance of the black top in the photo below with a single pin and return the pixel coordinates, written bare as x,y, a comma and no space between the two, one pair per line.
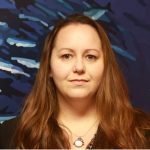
7,130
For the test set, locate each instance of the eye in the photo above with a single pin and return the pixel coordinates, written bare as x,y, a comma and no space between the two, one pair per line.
91,57
66,56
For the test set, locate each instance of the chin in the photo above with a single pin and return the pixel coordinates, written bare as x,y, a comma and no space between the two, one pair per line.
79,96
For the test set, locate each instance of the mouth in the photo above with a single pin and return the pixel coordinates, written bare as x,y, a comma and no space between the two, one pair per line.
79,81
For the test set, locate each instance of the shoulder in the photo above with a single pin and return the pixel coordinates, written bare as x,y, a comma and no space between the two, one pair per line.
7,131
142,121
8,126
147,134
147,137
9,122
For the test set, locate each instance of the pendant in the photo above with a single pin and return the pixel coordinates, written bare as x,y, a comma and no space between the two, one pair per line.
78,142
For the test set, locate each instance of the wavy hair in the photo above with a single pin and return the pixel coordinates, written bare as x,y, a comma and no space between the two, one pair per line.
121,126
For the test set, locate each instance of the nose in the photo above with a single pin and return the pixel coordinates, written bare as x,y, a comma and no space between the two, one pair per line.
79,66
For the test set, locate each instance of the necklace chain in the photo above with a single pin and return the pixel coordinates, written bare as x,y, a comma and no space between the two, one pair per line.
79,142
86,131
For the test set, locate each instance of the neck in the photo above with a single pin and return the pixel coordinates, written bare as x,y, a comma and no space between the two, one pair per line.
78,118
77,109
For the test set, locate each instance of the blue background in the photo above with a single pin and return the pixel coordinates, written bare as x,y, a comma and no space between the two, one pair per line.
24,24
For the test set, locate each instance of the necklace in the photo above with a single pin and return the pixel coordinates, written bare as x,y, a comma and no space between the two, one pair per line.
79,142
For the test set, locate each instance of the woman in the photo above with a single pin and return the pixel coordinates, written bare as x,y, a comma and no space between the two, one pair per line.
80,98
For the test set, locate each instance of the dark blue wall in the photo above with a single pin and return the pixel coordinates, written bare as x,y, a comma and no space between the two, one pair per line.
24,24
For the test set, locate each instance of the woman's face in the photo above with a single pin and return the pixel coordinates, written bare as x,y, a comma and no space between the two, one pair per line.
77,62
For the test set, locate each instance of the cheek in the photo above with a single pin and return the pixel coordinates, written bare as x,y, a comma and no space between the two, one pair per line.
97,78
97,71
59,70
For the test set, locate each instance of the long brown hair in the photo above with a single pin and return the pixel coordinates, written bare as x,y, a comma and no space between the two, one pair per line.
120,126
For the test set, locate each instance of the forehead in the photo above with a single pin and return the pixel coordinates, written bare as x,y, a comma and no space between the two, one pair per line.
77,32
74,27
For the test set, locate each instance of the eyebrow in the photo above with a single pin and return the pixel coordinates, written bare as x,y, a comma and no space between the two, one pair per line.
66,49
89,49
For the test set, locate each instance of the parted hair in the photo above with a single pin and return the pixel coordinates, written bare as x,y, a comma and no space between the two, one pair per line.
120,125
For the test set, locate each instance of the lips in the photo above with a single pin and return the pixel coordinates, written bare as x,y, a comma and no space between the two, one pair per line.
78,81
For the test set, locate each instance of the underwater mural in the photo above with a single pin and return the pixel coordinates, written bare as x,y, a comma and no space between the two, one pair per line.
24,25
